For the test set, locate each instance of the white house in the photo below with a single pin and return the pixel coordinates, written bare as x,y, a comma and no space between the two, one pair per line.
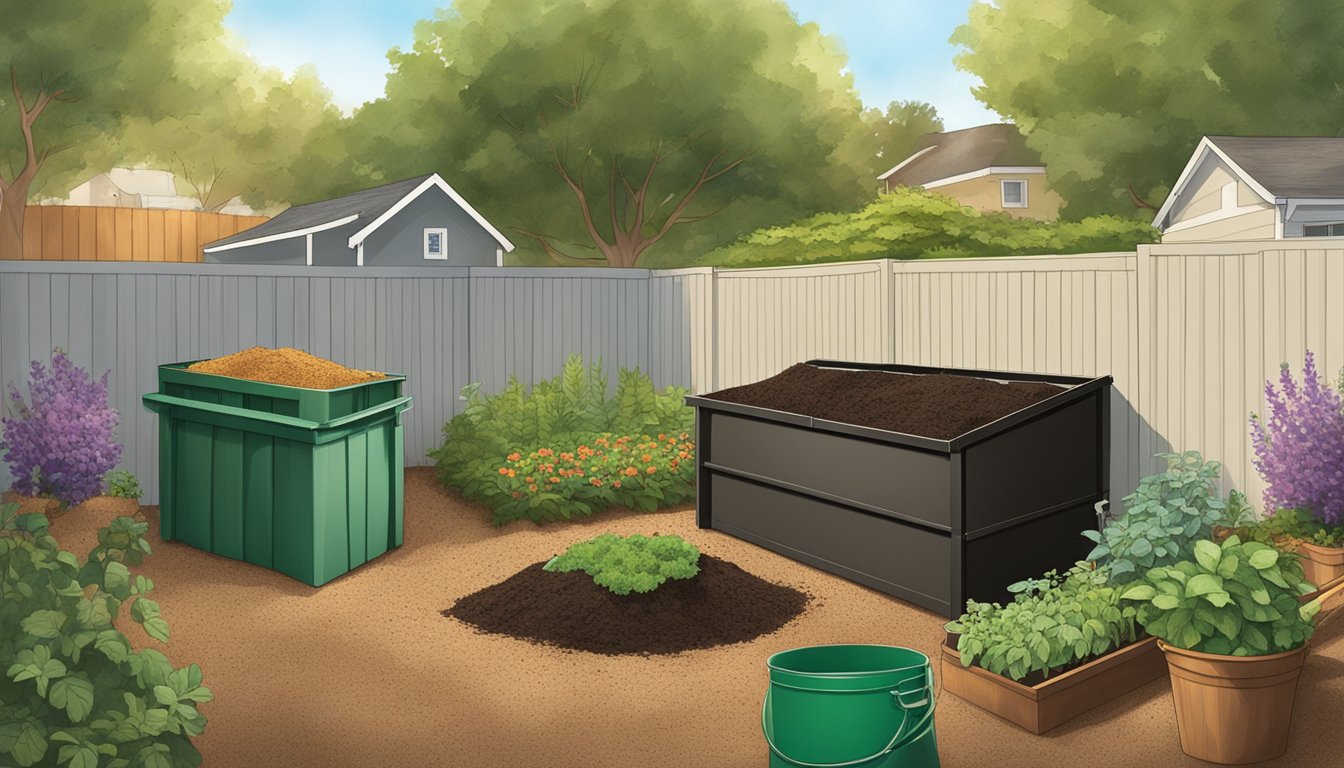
1257,188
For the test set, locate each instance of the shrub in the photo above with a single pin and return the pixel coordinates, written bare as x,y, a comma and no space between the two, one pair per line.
1300,451
600,472
1238,599
1052,623
1163,518
630,564
1287,527
560,416
123,485
61,443
914,224
74,692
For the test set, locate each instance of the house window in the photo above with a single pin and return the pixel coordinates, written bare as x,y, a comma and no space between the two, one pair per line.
436,243
1323,230
1014,193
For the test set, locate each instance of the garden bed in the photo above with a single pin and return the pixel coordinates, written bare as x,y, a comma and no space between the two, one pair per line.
999,494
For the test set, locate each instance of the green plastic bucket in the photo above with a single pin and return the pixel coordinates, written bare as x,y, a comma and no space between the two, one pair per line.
836,706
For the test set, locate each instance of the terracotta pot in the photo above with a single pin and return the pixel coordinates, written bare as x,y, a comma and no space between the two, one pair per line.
32,504
1322,566
1233,709
1038,708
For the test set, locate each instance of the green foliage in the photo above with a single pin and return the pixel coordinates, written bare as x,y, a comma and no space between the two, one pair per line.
1163,519
74,692
1286,527
1238,599
913,223
660,89
630,564
1052,623
555,412
123,485
1114,94
897,133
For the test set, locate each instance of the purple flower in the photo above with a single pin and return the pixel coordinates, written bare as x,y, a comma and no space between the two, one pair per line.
1300,449
61,443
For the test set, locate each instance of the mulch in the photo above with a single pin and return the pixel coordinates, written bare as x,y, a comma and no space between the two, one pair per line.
941,406
720,605
287,366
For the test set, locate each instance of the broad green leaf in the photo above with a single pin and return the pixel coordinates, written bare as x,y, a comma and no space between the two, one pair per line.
73,694
1260,596
1139,592
1166,602
30,745
1263,558
1218,599
116,578
1208,555
44,623
157,628
1203,584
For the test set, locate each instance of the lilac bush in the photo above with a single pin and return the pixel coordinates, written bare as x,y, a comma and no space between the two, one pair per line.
61,443
1299,450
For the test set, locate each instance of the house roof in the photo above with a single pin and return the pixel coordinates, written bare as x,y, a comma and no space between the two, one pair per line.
368,209
1289,166
941,156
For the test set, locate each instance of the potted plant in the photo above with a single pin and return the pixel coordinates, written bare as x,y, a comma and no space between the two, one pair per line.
1299,452
1063,646
1235,638
1298,530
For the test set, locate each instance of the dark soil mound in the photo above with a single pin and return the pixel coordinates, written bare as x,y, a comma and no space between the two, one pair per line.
720,605
939,405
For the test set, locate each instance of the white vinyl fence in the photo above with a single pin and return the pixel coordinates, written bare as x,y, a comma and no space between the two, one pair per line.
1190,332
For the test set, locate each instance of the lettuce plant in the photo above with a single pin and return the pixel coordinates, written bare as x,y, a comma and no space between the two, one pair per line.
630,564
62,442
74,692
1163,518
1234,599
123,485
1299,450
1053,623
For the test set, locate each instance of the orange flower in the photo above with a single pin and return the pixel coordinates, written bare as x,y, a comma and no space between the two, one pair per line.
555,479
503,471
515,456
651,470
532,487
662,436
517,495
567,456
673,465
545,452
631,471
512,473
597,481
683,455
647,458
615,483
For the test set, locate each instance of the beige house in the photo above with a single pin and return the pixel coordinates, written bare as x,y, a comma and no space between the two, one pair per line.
140,188
989,167
1257,188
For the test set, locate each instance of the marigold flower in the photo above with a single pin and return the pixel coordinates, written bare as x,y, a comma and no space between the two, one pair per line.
512,473
615,483
545,452
516,495
515,456
503,471
597,481
555,479
631,471
651,470
532,487
662,436
683,455
673,465
647,458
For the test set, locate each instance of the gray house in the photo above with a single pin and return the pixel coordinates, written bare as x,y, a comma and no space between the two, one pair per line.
416,222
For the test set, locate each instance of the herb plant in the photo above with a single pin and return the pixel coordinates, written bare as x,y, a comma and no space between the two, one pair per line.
1287,527
1237,599
1163,518
1052,623
1299,451
631,564
74,693
123,485
61,442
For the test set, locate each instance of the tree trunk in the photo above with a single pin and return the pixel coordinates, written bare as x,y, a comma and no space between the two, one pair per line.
13,205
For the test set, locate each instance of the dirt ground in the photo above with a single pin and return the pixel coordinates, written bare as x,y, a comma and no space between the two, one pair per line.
365,672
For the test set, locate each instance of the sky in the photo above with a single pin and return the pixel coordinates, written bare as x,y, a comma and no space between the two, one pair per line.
898,49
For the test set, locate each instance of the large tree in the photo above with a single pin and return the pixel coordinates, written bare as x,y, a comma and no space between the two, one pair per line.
599,130
896,132
1115,94
88,86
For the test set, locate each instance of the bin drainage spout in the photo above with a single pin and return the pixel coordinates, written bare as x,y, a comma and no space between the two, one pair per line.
1100,507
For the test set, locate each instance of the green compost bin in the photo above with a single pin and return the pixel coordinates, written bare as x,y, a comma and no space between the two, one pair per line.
307,482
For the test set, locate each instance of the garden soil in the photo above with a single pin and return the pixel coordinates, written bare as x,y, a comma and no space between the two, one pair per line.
366,672
722,604
940,406
286,365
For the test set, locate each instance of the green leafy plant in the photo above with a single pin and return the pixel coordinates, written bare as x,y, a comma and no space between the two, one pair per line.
568,415
630,564
1235,598
1163,518
1287,527
1052,624
123,485
74,692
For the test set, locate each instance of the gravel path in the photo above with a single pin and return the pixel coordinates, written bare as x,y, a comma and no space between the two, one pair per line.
365,672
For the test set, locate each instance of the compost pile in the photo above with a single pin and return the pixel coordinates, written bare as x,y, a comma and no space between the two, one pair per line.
286,365
941,406
722,604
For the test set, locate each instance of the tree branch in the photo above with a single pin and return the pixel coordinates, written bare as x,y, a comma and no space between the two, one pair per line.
554,253
1138,201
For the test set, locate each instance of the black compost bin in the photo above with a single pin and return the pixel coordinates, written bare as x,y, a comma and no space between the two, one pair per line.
935,522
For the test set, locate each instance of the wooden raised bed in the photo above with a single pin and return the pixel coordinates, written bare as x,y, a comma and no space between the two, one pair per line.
1038,708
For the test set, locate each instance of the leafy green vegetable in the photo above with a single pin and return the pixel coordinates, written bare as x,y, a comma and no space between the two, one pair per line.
73,691
631,564
1286,527
1237,599
1052,623
123,485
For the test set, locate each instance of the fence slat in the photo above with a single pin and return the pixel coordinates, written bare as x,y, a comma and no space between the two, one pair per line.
100,233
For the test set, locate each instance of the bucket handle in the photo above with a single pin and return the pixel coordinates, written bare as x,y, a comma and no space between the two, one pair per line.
903,734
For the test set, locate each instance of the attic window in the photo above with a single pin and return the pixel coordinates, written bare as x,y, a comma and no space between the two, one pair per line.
1323,230
436,243
1014,193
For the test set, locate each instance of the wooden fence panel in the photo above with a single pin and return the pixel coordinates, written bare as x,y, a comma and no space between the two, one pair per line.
91,233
